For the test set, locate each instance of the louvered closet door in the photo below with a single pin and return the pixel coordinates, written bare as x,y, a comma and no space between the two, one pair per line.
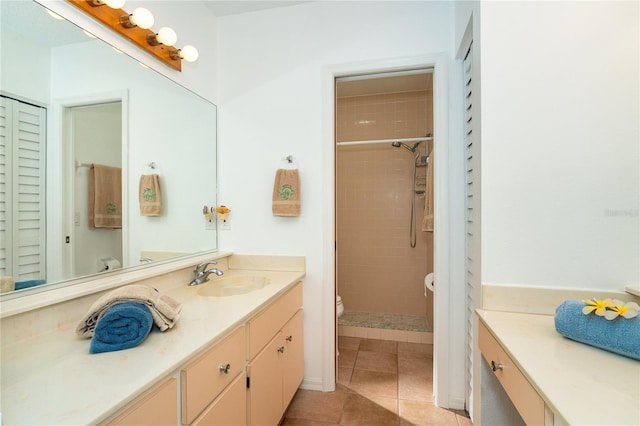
472,216
5,185
23,190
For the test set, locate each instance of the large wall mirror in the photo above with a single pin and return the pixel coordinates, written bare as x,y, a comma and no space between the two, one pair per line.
71,103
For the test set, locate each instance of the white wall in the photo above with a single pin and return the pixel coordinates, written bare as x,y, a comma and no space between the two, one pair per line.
28,82
560,144
272,81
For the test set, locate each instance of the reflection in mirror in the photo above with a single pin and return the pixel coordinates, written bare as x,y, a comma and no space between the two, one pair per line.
78,104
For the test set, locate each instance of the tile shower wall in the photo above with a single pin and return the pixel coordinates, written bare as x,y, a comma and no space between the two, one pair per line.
378,271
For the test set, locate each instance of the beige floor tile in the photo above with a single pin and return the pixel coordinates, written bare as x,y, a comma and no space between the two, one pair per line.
424,413
374,345
377,361
347,358
415,388
415,347
304,422
348,343
415,363
359,410
463,420
317,406
344,376
374,383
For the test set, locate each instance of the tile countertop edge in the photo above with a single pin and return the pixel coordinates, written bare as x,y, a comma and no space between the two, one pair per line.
583,376
201,316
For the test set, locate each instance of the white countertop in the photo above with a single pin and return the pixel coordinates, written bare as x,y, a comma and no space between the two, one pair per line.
53,379
580,383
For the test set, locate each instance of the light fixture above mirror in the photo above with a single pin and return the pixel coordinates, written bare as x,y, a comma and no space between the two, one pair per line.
136,27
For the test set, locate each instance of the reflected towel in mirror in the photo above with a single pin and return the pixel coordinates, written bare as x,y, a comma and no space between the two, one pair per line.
105,197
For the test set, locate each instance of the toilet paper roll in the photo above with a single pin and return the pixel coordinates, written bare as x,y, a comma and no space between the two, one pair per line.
109,264
428,283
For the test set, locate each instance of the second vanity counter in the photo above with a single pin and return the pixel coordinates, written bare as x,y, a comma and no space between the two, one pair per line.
52,379
579,383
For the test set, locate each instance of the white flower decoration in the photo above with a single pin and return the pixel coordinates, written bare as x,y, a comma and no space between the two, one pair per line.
627,310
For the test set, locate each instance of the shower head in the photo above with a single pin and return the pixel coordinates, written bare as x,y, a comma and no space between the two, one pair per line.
397,144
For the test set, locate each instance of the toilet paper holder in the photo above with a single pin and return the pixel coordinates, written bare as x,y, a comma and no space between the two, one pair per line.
429,283
108,264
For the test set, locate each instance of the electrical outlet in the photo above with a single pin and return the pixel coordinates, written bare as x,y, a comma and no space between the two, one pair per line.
224,225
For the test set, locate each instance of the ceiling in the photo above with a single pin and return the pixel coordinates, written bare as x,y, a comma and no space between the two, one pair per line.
14,13
235,7
21,17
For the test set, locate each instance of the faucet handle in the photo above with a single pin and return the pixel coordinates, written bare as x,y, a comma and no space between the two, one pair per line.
201,267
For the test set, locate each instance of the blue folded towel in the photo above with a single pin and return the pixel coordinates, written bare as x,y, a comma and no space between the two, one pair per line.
620,335
29,283
122,326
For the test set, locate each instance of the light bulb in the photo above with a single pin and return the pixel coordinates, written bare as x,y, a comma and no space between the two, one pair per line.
142,18
189,53
115,4
167,36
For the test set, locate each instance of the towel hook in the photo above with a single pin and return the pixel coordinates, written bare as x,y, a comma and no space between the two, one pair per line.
289,158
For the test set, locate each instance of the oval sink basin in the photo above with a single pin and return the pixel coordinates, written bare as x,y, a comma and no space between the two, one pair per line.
232,286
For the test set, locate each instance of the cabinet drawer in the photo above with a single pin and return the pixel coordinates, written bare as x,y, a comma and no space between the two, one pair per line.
203,379
524,397
268,322
159,407
230,408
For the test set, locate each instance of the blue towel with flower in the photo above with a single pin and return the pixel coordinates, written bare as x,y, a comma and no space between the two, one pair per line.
122,326
606,324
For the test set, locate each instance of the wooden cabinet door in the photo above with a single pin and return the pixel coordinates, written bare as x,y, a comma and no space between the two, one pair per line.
205,377
265,384
293,358
230,408
160,407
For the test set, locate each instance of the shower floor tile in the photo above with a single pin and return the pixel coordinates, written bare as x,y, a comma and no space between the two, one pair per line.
384,321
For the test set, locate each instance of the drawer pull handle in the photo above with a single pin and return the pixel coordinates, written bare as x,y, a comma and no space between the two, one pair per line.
225,368
496,366
288,338
281,349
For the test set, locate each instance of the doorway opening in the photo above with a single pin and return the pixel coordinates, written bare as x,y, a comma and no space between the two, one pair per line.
384,205
95,135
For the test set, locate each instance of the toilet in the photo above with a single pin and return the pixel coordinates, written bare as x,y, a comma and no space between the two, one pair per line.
339,306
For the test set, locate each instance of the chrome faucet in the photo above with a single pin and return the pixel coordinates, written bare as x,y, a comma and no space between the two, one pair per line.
202,274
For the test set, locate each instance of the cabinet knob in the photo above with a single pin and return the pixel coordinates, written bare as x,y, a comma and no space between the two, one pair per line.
496,366
288,338
225,368
281,349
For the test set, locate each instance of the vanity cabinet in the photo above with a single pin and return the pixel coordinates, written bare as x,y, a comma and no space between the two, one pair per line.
228,409
204,378
248,377
276,358
522,394
158,407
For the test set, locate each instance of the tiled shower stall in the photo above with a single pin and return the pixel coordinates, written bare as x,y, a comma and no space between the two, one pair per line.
380,277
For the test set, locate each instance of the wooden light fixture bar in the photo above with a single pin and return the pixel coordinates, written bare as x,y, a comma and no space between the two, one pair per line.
111,18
